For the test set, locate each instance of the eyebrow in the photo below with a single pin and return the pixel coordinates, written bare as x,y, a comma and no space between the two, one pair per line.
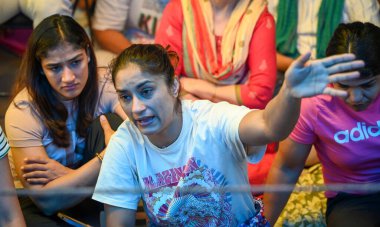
138,86
73,58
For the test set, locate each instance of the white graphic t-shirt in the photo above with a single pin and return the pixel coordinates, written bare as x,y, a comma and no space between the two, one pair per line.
191,181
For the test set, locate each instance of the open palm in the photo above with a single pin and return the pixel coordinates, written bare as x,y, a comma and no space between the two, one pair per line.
310,79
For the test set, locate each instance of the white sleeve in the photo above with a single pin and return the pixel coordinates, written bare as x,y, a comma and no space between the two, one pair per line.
111,14
4,146
361,10
117,183
226,119
39,10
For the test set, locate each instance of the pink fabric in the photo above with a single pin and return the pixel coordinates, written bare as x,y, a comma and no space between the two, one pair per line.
16,39
347,142
257,89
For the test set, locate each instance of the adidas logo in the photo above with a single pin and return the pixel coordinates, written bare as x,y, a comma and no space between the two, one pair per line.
358,133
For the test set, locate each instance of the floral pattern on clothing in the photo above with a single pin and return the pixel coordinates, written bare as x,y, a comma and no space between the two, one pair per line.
193,201
305,209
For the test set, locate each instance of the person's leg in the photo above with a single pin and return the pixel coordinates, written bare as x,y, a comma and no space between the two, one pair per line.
353,210
8,9
37,10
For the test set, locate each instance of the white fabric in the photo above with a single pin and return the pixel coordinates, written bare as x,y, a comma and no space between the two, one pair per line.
137,19
4,146
208,154
36,10
24,125
354,10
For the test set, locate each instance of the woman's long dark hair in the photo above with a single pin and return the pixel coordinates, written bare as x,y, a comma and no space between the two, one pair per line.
49,34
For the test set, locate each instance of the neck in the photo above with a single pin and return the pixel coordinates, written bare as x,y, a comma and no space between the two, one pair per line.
223,5
169,134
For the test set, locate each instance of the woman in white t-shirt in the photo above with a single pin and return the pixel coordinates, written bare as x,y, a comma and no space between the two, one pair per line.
57,97
184,158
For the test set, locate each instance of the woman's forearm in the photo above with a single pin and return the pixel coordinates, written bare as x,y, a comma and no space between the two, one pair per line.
84,176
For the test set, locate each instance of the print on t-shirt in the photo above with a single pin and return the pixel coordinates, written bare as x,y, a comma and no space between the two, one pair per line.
358,133
187,195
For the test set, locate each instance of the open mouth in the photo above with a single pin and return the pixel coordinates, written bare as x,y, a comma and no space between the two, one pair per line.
144,121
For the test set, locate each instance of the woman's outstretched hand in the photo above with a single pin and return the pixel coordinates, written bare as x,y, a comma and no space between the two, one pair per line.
306,79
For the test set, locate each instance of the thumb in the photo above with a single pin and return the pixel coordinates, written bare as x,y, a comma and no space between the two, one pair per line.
104,123
108,131
302,60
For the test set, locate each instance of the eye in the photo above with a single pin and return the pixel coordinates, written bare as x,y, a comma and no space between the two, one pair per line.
55,68
75,63
147,92
368,85
125,97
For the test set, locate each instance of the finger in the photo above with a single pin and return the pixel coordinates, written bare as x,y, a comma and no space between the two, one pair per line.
105,124
335,59
301,60
347,66
37,181
343,76
33,167
35,174
31,160
334,92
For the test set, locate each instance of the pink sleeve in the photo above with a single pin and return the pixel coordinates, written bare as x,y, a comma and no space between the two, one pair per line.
303,132
169,31
258,90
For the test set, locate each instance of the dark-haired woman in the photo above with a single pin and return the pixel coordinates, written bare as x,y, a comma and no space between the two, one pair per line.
58,95
188,156
345,133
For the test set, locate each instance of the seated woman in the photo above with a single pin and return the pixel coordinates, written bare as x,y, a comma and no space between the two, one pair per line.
58,95
226,48
184,158
227,53
11,215
344,132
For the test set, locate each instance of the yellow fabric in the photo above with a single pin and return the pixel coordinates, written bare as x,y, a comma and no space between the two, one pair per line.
235,41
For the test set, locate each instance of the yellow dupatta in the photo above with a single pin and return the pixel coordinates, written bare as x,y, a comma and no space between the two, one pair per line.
199,47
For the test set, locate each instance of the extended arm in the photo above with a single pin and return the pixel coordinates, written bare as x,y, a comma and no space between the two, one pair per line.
277,120
285,169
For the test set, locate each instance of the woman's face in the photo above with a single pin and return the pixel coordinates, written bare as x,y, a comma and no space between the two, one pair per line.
361,92
148,101
66,69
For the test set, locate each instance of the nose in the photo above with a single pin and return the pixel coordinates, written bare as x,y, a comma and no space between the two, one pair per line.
138,105
355,95
67,75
